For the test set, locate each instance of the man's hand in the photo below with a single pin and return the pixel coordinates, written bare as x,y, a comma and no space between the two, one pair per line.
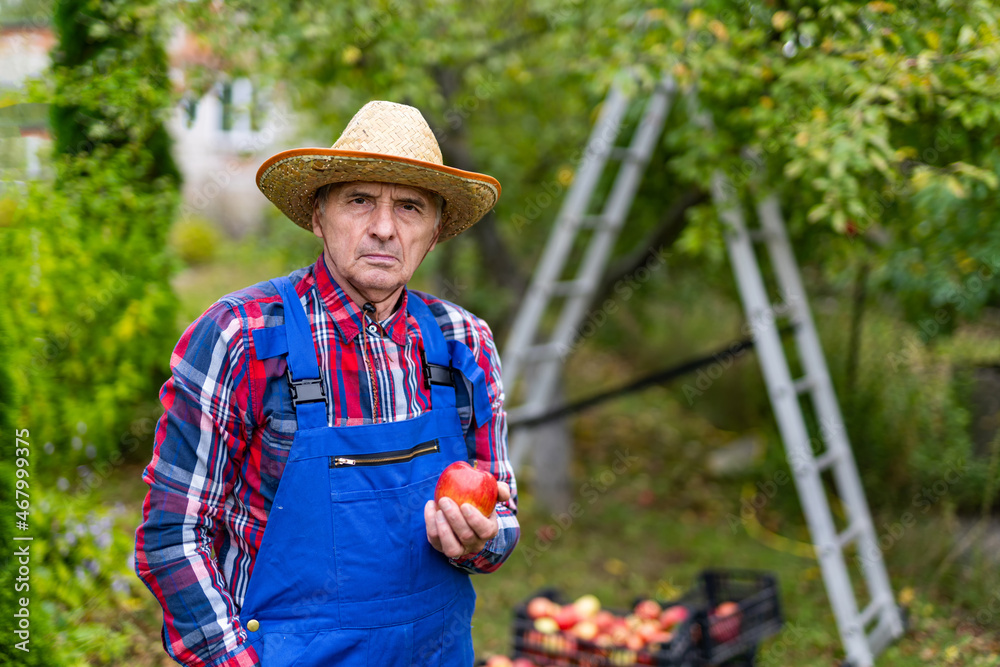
456,531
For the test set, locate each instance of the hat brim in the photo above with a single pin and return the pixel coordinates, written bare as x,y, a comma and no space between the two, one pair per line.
290,180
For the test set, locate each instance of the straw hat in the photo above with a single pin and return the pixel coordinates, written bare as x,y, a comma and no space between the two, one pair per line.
384,142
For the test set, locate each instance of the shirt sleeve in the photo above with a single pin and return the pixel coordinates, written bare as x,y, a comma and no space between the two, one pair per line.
200,440
490,445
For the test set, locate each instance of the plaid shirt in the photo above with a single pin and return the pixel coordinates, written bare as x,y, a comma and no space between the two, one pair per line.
223,440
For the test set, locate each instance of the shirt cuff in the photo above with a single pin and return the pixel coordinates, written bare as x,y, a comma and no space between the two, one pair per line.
495,552
245,656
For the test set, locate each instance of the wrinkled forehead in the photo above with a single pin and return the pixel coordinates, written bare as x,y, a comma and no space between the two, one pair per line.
378,189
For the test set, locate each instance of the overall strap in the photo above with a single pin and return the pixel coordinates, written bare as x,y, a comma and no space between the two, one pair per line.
465,362
445,360
308,396
437,360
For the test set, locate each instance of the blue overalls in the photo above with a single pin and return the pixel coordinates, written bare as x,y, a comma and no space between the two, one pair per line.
345,575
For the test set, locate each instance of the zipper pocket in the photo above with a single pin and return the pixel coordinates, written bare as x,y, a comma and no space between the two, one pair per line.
383,458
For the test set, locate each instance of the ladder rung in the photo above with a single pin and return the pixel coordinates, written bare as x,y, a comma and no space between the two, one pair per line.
624,154
870,611
667,85
522,413
543,351
568,287
883,634
849,535
593,221
803,384
784,309
826,460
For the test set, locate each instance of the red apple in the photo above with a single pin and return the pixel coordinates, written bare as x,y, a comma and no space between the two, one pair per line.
648,609
647,630
464,484
499,661
546,625
634,642
540,606
523,662
587,606
567,617
560,643
724,622
661,638
622,658
605,620
671,616
585,629
619,634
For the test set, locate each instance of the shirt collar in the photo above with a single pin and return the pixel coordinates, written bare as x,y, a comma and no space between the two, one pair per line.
347,315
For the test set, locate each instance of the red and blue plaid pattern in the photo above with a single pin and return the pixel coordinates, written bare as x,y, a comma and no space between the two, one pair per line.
222,443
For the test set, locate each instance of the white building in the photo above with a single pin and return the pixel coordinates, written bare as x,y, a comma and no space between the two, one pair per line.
215,147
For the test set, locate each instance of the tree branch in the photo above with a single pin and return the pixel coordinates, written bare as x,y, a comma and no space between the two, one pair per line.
497,258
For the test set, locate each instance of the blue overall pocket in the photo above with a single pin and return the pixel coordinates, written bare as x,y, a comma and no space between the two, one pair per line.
344,648
384,561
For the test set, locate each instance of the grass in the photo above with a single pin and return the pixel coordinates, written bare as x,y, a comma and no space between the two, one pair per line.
631,542
618,549
654,527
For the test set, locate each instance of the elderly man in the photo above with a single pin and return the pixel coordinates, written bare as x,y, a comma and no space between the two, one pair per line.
290,515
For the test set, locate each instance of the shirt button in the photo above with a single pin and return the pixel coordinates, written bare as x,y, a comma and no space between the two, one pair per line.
372,329
253,625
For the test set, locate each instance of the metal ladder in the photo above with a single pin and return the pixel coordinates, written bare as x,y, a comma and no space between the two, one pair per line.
860,643
545,360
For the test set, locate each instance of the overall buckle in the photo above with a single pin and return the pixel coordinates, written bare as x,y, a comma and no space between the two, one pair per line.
435,374
305,391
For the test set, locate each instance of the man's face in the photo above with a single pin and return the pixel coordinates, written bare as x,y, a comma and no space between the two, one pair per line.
375,236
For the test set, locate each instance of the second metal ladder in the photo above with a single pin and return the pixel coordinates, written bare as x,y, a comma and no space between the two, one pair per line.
864,632
544,360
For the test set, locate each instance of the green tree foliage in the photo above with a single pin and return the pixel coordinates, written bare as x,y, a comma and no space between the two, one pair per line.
111,85
878,120
88,285
877,124
874,122
10,597
483,75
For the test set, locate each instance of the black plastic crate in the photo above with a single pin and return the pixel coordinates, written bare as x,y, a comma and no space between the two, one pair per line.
757,615
564,649
703,639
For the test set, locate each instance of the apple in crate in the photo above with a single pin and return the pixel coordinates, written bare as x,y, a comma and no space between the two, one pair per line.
724,622
567,617
585,629
661,638
546,625
648,630
648,609
619,634
587,606
605,620
539,607
674,615
464,484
